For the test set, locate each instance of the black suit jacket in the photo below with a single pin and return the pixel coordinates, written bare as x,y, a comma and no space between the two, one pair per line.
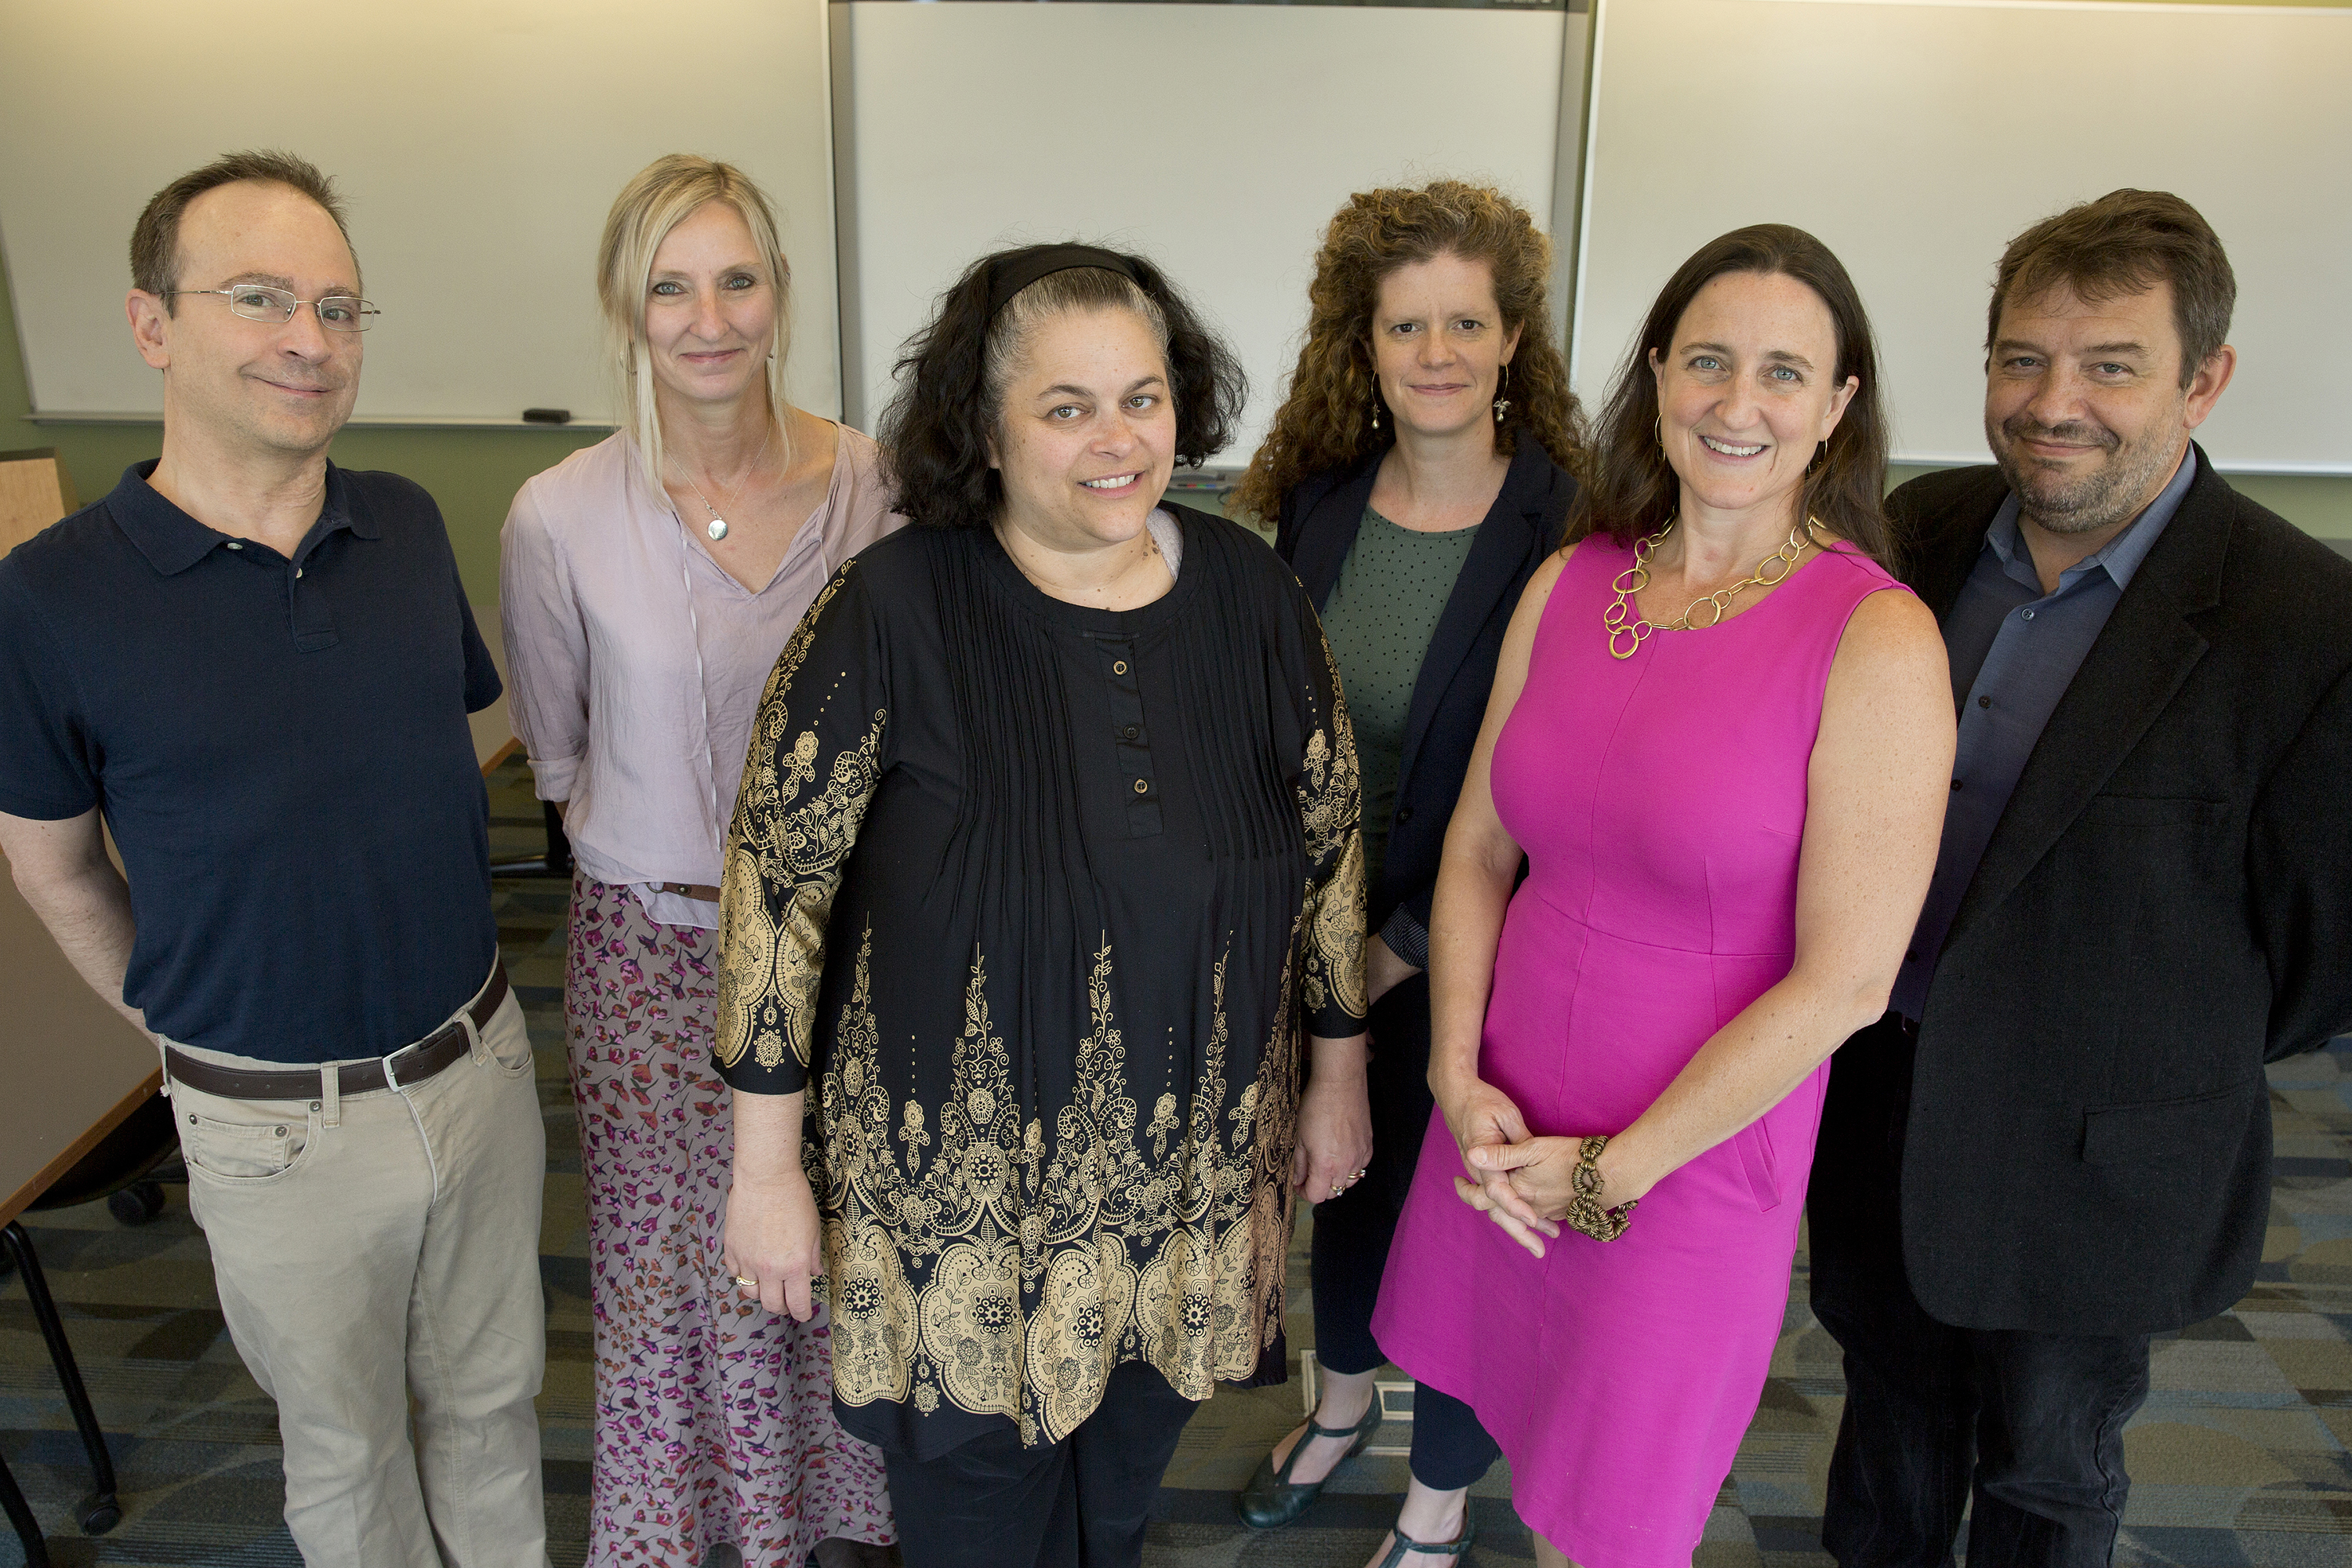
1317,527
2165,905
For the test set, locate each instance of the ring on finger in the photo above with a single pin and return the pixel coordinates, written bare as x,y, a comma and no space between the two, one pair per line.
747,1282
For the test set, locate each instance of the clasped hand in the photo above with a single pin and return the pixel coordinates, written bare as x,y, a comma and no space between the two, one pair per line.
1521,1181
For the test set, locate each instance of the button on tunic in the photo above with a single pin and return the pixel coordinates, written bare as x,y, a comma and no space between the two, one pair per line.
1046,984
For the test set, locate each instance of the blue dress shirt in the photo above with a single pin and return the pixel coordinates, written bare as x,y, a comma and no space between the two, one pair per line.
2014,650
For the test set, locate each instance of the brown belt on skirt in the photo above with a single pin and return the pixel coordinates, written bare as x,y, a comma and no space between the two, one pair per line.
703,890
410,1064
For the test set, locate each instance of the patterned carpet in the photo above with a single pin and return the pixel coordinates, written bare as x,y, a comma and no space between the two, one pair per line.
2243,1456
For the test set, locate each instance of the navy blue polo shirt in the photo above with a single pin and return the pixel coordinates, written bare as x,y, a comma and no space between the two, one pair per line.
280,748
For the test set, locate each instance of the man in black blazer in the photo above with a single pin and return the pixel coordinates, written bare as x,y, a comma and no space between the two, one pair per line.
2057,1142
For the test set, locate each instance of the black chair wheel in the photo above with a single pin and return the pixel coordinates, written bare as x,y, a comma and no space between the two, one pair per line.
136,1204
99,1514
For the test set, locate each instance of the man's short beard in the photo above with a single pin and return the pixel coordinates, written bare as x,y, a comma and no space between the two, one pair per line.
2109,495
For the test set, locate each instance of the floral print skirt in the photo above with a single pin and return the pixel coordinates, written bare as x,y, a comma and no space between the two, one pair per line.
714,1418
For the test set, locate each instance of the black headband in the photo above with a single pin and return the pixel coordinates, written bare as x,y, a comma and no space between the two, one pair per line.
1009,275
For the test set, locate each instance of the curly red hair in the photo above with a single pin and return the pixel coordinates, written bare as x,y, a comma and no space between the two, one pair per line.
1325,421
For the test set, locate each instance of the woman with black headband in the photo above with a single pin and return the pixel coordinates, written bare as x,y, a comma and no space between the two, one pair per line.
1045,886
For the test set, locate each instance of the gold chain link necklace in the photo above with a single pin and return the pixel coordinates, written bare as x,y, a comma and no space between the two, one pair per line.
1624,618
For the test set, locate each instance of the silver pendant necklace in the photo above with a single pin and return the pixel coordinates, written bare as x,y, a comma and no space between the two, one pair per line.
717,529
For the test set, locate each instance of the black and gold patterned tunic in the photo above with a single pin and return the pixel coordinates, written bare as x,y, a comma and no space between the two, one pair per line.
1040,902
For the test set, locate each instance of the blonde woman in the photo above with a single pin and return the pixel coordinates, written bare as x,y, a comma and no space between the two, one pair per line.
649,584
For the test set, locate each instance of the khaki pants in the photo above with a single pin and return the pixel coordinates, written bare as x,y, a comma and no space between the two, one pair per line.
377,1258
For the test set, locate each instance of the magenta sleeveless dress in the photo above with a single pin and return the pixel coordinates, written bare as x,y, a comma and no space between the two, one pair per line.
1661,801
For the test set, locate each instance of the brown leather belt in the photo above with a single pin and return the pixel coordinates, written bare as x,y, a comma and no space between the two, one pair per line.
410,1064
703,890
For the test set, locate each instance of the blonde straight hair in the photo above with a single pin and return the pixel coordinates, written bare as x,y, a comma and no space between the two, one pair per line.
664,194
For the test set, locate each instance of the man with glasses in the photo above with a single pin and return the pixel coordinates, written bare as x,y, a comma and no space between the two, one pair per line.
256,668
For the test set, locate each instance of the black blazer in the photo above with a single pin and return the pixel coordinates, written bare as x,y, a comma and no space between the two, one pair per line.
2165,905
1314,533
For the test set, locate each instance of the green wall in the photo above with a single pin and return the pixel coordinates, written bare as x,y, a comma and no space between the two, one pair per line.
474,474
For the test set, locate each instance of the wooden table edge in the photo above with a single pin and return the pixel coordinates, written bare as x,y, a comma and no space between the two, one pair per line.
18,1202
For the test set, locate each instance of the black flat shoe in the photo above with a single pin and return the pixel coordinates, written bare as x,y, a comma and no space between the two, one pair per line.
1457,1548
1273,1500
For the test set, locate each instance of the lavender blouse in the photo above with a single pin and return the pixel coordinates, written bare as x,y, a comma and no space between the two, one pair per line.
636,662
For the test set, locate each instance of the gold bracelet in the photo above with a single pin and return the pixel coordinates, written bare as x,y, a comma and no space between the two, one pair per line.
1584,1210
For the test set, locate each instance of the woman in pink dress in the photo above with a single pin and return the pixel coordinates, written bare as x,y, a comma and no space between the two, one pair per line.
1720,735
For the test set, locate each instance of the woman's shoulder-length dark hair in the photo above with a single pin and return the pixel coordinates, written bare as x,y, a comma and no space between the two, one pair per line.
951,375
1633,490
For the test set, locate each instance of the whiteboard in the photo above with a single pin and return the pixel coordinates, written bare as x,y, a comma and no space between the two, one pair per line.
1217,139
1917,137
479,143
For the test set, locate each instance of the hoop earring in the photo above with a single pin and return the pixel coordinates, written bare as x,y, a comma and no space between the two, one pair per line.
1658,427
1502,402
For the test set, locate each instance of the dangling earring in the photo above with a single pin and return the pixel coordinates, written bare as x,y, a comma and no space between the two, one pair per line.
1376,410
1503,404
1820,450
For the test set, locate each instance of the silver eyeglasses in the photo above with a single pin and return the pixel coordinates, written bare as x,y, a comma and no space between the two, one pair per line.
260,302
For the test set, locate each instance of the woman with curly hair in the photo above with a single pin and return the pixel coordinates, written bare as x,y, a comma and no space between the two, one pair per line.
1044,884
1420,473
